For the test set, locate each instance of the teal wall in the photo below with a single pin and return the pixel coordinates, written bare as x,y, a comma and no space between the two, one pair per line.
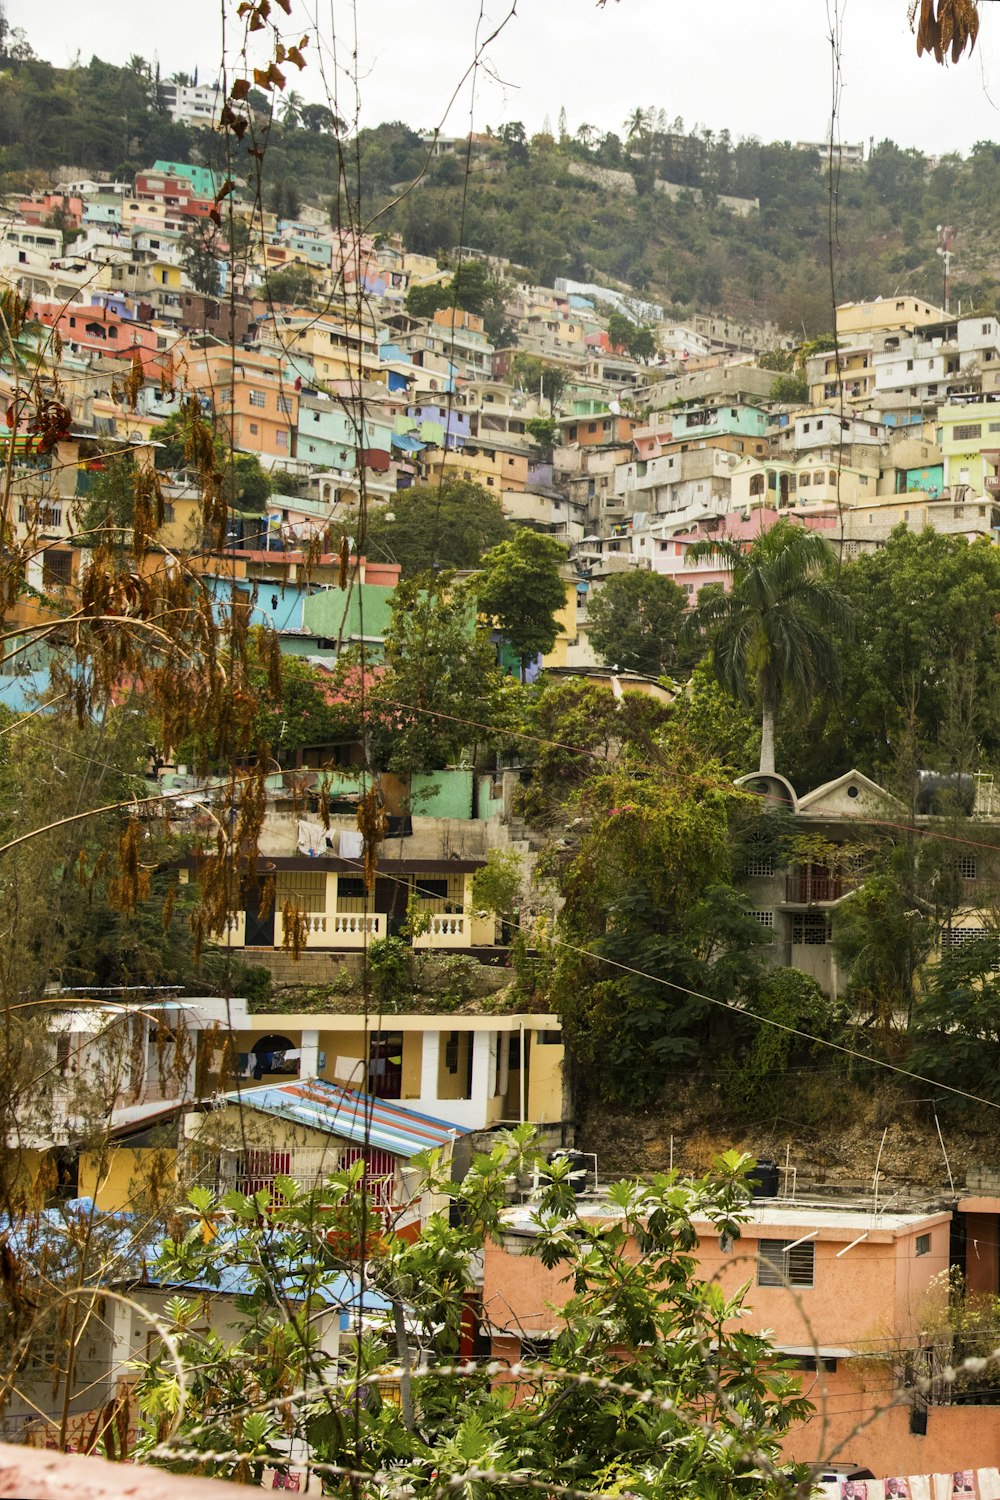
442,794
341,612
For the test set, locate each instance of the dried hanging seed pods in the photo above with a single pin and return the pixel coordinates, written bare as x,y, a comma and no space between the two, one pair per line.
953,27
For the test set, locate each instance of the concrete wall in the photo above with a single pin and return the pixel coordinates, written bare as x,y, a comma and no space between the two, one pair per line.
114,1180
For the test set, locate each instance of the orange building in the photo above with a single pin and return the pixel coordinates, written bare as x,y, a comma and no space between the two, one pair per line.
249,391
592,432
847,1294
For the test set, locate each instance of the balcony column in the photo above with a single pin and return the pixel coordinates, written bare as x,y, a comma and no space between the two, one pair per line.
429,1056
503,1042
481,1056
309,1054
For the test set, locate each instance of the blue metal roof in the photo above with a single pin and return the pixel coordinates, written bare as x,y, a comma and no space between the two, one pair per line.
353,1116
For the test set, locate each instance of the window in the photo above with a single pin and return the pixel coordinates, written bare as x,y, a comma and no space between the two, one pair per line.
966,866
760,864
923,1245
765,918
811,929
964,430
258,398
804,481
254,429
281,439
57,567
777,1265
285,405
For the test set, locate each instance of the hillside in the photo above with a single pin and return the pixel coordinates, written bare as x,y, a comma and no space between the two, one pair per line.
581,206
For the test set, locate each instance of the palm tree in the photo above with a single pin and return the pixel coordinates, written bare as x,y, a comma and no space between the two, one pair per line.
291,113
772,633
635,124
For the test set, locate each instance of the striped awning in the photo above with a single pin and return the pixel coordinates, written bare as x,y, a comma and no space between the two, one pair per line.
350,1115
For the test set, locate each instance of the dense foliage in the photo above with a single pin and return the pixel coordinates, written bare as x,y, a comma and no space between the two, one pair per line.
649,1386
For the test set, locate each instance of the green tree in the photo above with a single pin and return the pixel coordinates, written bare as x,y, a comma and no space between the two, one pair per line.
926,644
720,1418
651,922
515,139
292,284
956,1024
539,377
543,430
424,299
294,711
521,590
573,725
771,633
200,257
435,527
635,621
620,330
790,389
441,689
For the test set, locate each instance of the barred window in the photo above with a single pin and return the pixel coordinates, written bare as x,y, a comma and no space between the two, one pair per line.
777,1265
966,430
811,928
765,918
258,398
760,864
966,866
304,888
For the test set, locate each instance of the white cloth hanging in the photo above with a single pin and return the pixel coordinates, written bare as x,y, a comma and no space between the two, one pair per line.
989,1484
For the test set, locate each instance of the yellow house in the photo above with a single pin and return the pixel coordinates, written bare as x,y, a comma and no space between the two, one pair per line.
495,468
858,319
476,1071
335,349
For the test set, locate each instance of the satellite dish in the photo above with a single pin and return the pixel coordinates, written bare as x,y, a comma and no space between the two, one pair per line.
614,408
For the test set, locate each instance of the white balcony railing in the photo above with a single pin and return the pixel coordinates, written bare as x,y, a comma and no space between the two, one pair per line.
354,929
234,932
313,929
446,930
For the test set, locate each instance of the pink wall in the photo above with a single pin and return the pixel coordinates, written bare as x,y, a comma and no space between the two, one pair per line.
957,1437
873,1296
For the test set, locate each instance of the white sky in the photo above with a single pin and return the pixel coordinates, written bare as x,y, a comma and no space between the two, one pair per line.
761,69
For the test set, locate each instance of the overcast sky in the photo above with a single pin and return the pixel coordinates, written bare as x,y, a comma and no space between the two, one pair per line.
761,69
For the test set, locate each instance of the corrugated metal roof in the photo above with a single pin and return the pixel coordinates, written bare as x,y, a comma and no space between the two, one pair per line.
354,1116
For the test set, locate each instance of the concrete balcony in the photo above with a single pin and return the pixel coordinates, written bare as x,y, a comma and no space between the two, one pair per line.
234,934
445,931
355,929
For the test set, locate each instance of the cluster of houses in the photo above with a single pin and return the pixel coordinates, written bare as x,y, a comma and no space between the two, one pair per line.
350,393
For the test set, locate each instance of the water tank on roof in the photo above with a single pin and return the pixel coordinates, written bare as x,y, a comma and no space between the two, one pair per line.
763,1179
945,792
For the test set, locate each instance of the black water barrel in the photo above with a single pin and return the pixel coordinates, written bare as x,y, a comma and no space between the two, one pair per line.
763,1178
579,1166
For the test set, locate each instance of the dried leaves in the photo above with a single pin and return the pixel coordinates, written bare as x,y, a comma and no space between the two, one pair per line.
373,823
952,27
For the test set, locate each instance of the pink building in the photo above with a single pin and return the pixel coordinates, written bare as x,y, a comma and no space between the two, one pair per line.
845,1293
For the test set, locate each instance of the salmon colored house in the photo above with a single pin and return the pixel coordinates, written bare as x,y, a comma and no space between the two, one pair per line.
99,329
252,391
846,1294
